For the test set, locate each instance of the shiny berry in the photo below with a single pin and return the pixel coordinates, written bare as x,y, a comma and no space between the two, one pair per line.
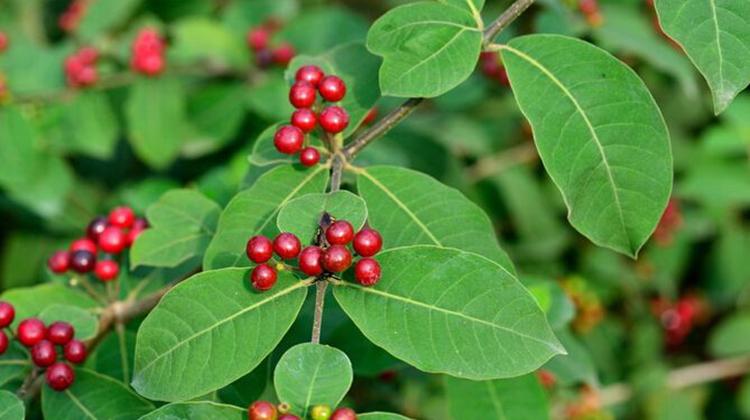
288,139
59,262
151,64
3,342
75,352
82,261
7,314
367,242
60,376
60,333
263,277
283,54
337,259
304,119
259,249
302,95
30,331
43,353
309,156
311,261
106,270
122,217
112,240
320,412
262,410
344,413
257,38
83,244
340,232
332,88
334,119
311,74
96,227
287,246
288,417
367,271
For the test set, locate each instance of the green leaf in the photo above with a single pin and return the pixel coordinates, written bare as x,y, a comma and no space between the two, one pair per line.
155,112
428,48
270,99
205,333
84,322
449,311
216,112
575,367
600,135
114,356
378,415
516,398
11,407
197,410
253,211
730,337
182,225
301,216
199,38
368,360
93,396
411,208
101,16
312,374
14,363
31,301
319,30
92,127
716,36
17,148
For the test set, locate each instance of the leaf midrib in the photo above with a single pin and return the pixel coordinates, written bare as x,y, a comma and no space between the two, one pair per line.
80,405
719,51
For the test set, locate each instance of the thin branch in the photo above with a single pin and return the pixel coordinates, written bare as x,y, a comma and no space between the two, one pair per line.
320,298
337,169
503,21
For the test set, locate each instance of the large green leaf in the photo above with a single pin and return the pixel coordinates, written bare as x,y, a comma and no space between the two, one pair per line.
449,311
716,36
301,216
93,396
311,374
114,356
84,322
206,332
216,112
428,48
411,208
599,133
11,408
197,410
17,148
253,211
516,398
91,124
31,301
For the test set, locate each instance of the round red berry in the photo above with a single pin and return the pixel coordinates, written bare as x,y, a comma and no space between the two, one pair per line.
288,139
262,410
60,376
106,270
263,277
304,119
30,331
83,244
96,227
367,271
334,119
288,417
302,95
344,413
112,240
309,156
88,55
311,74
59,262
283,54
3,342
287,246
311,261
7,314
43,353
75,352
60,333
337,259
82,261
367,242
340,232
332,88
257,38
122,217
259,249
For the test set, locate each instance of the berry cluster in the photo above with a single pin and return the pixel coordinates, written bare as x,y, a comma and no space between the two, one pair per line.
264,410
45,344
590,10
259,40
332,257
492,68
72,16
111,235
148,53
80,68
4,42
679,318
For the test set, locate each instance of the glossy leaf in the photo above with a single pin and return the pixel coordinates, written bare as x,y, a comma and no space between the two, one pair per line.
31,301
84,322
197,410
205,333
11,407
516,398
301,216
600,135
449,311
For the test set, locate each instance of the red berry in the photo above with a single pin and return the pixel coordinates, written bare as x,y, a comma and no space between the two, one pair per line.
3,342
88,55
83,244
309,156
60,333
259,249
106,270
372,114
332,88
132,235
311,261
288,417
43,353
263,277
302,95
75,351
3,42
112,240
283,54
367,271
87,76
30,331
311,74
140,223
288,139
334,119
122,217
150,65
96,227
262,410
287,246
148,42
340,232
588,7
59,262
7,314
304,119
60,376
368,242
343,413
337,259
82,261
257,38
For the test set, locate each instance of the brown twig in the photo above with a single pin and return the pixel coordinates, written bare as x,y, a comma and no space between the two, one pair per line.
503,21
320,297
